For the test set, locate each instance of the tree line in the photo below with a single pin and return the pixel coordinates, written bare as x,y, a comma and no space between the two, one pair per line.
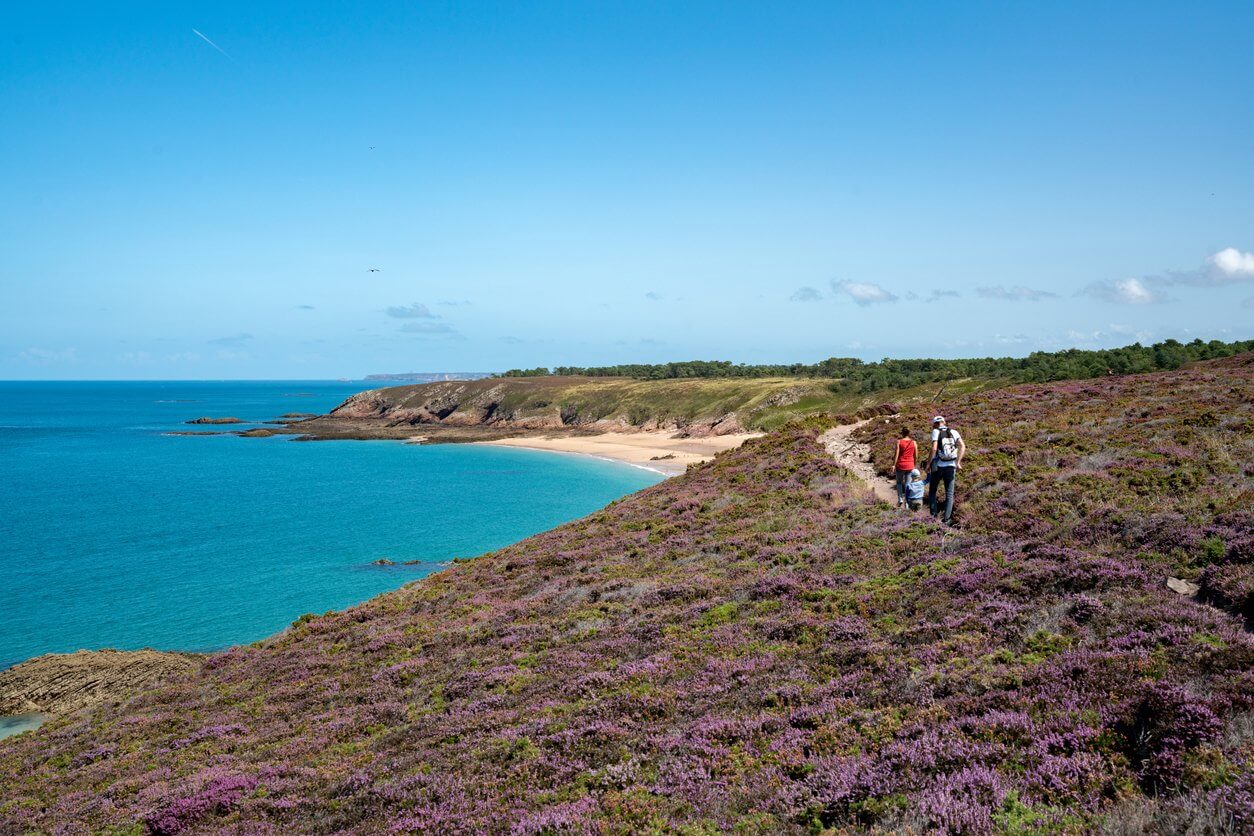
856,375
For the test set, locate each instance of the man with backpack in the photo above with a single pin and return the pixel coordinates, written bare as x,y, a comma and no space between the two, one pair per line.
948,449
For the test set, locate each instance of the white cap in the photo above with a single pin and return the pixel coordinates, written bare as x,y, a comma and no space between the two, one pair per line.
939,419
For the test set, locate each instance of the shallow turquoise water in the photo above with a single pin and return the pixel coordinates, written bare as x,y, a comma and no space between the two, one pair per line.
113,534
10,726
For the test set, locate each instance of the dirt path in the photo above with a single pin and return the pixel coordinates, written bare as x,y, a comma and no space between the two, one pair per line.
856,458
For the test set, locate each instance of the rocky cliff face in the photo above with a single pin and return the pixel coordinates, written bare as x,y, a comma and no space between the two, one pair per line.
62,683
523,404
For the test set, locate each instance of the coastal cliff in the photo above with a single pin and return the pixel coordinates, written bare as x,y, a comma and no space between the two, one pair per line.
62,683
502,407
709,408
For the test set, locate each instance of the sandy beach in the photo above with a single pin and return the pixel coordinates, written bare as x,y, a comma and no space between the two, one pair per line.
659,451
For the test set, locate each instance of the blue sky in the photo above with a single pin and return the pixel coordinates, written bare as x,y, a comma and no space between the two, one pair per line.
585,183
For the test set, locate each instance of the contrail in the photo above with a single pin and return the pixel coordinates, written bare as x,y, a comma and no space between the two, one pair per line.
211,43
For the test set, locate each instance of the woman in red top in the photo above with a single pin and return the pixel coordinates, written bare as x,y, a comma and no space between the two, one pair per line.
907,452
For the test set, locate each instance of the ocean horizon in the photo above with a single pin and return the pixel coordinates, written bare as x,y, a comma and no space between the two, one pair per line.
116,534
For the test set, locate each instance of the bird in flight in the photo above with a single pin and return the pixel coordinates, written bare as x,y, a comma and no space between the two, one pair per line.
374,269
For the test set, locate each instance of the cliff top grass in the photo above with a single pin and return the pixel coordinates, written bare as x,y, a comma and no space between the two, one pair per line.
756,647
752,397
758,403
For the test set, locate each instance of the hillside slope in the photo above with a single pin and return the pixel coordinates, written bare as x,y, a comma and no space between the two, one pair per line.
1159,467
753,646
693,407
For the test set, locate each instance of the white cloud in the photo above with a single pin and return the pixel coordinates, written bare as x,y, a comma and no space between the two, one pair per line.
238,339
1018,293
806,294
430,329
1226,267
645,341
1130,291
653,296
143,358
415,311
1233,264
1134,292
864,293
1113,333
44,356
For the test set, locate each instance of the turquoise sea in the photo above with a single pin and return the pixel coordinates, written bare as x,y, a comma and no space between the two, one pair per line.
115,534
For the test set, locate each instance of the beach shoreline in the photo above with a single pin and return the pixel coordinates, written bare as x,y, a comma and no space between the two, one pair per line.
657,450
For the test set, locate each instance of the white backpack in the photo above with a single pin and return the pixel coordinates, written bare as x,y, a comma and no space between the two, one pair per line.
946,446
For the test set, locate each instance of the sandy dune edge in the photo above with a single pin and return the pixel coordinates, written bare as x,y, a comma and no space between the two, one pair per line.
642,449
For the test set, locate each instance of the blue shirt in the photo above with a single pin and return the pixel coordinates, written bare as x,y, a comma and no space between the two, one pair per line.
914,489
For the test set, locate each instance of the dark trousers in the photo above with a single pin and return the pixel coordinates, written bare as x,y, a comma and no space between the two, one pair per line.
934,477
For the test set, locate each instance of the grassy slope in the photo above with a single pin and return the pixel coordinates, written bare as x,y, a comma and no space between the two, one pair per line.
755,646
1155,466
760,403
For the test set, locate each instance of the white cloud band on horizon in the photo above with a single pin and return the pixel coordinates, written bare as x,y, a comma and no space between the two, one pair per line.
237,339
430,329
1018,293
45,356
864,293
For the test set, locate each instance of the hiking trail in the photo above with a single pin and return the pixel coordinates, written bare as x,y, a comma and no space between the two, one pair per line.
856,458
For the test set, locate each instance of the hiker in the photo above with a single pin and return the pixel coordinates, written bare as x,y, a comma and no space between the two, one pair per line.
948,449
907,452
914,491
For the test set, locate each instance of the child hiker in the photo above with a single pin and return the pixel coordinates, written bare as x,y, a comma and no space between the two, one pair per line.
914,490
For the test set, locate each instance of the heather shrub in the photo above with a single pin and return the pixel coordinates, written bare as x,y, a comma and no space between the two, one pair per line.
1230,585
1165,726
753,647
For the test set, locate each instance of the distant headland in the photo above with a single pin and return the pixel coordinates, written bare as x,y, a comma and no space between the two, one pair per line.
426,377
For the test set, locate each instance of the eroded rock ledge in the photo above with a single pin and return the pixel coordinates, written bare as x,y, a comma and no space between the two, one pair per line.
62,683
524,405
